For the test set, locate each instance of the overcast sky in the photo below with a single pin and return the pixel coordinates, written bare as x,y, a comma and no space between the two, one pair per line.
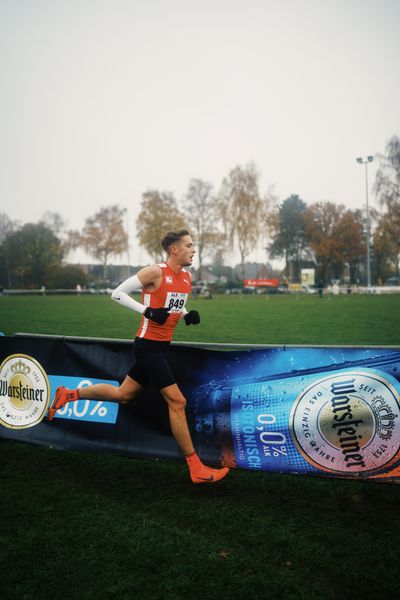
103,99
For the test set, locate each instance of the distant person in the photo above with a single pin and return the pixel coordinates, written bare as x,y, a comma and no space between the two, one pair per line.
78,289
320,288
165,290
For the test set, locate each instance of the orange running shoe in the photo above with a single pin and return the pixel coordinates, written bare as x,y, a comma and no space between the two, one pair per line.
62,396
208,475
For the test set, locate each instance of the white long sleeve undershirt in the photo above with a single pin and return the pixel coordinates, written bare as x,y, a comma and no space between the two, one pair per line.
121,294
130,285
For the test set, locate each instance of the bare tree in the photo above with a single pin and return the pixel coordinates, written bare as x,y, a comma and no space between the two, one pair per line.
7,227
53,221
387,182
387,190
72,241
242,209
202,216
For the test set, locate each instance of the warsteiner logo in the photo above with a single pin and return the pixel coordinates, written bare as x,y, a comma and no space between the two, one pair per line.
24,392
348,422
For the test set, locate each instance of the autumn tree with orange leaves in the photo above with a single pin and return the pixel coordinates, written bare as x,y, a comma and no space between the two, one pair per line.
158,214
103,235
335,235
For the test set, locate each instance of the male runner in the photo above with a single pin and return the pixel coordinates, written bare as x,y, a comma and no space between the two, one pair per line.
165,289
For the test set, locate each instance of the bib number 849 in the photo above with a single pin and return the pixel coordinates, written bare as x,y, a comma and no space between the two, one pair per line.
175,301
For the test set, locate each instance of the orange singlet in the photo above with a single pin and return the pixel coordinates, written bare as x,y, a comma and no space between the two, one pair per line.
172,294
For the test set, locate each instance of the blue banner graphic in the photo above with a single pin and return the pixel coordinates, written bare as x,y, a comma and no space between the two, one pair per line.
84,410
324,411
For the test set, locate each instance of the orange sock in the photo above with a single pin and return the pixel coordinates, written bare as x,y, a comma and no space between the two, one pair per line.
193,461
200,473
62,396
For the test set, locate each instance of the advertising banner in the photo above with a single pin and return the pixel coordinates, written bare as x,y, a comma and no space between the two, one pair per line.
324,411
261,283
308,276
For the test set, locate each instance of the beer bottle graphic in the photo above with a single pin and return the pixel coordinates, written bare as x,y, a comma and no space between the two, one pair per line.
336,420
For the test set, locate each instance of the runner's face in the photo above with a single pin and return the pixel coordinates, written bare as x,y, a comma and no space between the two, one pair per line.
185,251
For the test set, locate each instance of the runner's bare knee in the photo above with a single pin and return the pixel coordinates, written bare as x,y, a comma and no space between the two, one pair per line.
124,396
123,399
127,391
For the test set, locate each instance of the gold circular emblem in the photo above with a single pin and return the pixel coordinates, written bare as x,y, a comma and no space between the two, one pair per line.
24,392
348,422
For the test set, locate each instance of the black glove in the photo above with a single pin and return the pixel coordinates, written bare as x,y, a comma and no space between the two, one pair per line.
192,318
158,315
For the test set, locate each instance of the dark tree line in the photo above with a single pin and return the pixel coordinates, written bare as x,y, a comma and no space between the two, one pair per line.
31,256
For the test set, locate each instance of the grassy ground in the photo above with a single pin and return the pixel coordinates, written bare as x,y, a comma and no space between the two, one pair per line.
85,526
103,527
245,319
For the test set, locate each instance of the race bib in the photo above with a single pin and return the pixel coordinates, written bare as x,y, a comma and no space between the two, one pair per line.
175,301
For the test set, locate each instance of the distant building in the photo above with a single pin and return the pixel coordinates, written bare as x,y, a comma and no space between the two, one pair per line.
254,270
115,273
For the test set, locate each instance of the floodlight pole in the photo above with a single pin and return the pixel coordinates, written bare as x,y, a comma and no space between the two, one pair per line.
365,162
127,241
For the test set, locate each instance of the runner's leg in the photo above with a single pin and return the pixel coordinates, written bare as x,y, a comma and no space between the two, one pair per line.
199,472
122,394
99,391
177,417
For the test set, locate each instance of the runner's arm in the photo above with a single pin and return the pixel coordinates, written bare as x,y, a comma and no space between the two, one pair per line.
121,294
148,277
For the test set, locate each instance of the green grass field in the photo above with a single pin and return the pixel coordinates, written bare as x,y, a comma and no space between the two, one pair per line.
348,320
81,526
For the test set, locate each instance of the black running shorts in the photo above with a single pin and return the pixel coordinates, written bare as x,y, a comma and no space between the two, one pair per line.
151,364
